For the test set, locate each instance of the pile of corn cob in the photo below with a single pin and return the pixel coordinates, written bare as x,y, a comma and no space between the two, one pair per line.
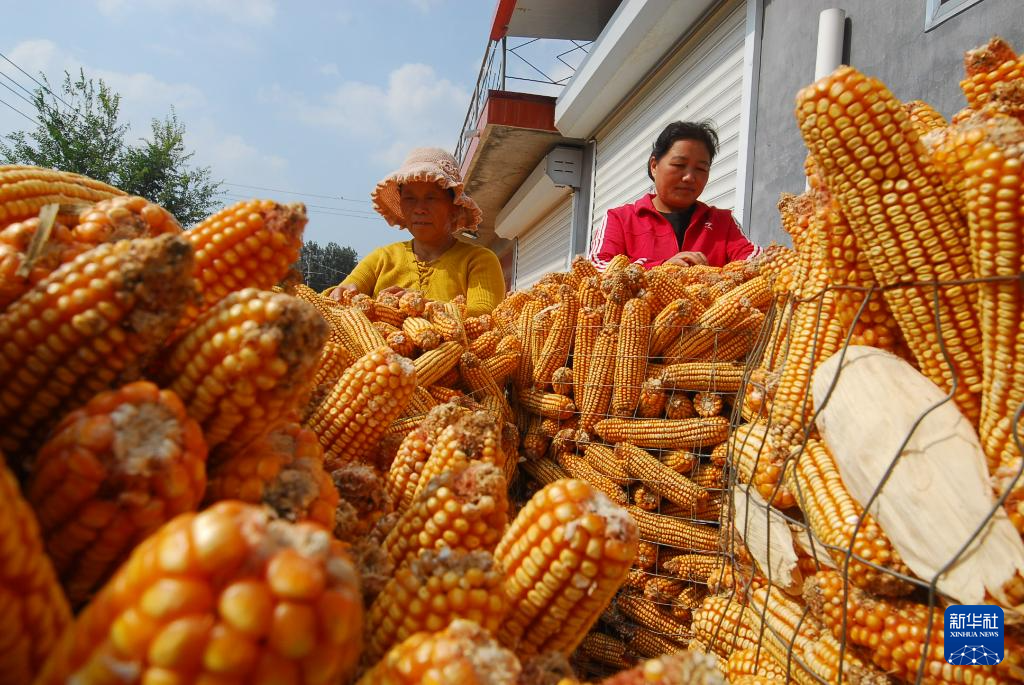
213,474
909,239
625,381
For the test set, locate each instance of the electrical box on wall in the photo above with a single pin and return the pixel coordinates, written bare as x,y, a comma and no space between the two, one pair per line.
565,166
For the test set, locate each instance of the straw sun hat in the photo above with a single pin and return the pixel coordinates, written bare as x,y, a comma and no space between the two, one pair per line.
427,164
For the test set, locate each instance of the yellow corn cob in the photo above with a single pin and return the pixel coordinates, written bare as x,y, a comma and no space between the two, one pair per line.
426,595
606,462
707,404
679,406
250,244
708,331
645,499
895,180
462,653
590,293
478,325
708,476
694,567
986,67
588,326
721,624
506,314
464,508
401,344
442,394
616,263
680,666
385,329
246,363
544,470
539,331
412,303
659,478
580,270
664,433
471,437
647,614
995,216
480,382
547,404
112,472
328,308
561,380
388,315
559,338
615,304
604,649
646,555
892,632
364,500
420,402
754,662
226,594
357,332
25,189
422,333
448,322
366,399
550,427
739,341
565,555
484,345
597,391
680,461
671,322
333,361
431,366
652,400
703,376
403,476
283,470
757,464
923,117
646,644
535,442
36,612
90,326
833,515
502,365
667,530
631,356
578,467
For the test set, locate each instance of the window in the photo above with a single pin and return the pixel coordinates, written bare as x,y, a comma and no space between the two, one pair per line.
938,11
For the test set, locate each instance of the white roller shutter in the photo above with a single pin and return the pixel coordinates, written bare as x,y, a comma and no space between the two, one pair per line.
546,247
706,83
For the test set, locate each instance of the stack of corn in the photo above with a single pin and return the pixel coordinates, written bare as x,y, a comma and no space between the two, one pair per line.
626,381
909,239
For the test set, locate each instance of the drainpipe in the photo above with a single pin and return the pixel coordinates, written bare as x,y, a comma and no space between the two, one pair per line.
831,33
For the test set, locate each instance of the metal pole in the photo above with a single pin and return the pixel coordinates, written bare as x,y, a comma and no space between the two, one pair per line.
504,45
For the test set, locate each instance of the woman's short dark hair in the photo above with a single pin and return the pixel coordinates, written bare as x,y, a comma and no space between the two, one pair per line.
702,131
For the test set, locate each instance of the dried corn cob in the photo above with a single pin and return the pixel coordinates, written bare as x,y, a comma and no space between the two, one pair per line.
606,462
559,338
680,461
483,386
422,333
227,593
465,508
462,653
544,470
707,404
659,478
364,500
547,404
604,649
114,471
631,356
708,476
246,363
431,591
597,391
431,366
250,244
652,400
357,332
667,530
471,437
721,624
647,614
415,449
502,365
671,321
645,644
366,399
561,380
578,467
754,662
588,326
896,181
283,470
664,433
679,406
35,608
646,555
703,376
484,345
88,327
565,555
708,330
757,464
679,667
987,66
645,499
834,517
695,567
25,189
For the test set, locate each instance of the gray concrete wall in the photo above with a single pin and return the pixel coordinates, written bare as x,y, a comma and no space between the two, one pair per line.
885,39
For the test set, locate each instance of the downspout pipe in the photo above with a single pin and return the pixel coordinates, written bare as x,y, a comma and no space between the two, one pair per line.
831,34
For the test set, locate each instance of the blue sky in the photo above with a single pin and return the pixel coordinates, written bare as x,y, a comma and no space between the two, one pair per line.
322,98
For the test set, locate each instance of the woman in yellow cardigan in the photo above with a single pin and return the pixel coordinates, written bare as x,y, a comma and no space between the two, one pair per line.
426,197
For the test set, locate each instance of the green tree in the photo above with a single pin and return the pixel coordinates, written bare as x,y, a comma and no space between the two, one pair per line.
80,131
325,266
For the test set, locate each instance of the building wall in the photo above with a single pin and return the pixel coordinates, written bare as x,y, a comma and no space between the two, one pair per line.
885,39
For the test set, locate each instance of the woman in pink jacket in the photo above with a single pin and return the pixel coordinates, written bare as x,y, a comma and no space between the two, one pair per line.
670,225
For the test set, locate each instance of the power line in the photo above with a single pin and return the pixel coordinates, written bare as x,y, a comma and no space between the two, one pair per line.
314,209
17,83
19,111
294,192
17,93
46,88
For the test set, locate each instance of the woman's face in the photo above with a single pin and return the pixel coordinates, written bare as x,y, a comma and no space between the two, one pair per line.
428,209
681,173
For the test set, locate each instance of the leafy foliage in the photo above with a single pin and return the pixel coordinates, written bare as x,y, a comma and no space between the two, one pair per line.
79,131
323,267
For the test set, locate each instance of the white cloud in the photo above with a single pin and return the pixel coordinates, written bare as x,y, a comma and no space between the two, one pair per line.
231,158
258,12
330,69
415,108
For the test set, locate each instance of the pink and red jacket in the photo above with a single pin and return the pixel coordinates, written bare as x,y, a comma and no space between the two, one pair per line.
640,232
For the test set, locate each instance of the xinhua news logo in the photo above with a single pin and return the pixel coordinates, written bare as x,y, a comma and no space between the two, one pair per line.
974,635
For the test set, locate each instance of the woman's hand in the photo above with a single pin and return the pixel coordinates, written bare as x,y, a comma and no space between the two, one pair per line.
396,290
688,259
336,294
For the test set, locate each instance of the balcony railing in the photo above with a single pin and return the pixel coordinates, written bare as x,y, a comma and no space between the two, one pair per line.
536,65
